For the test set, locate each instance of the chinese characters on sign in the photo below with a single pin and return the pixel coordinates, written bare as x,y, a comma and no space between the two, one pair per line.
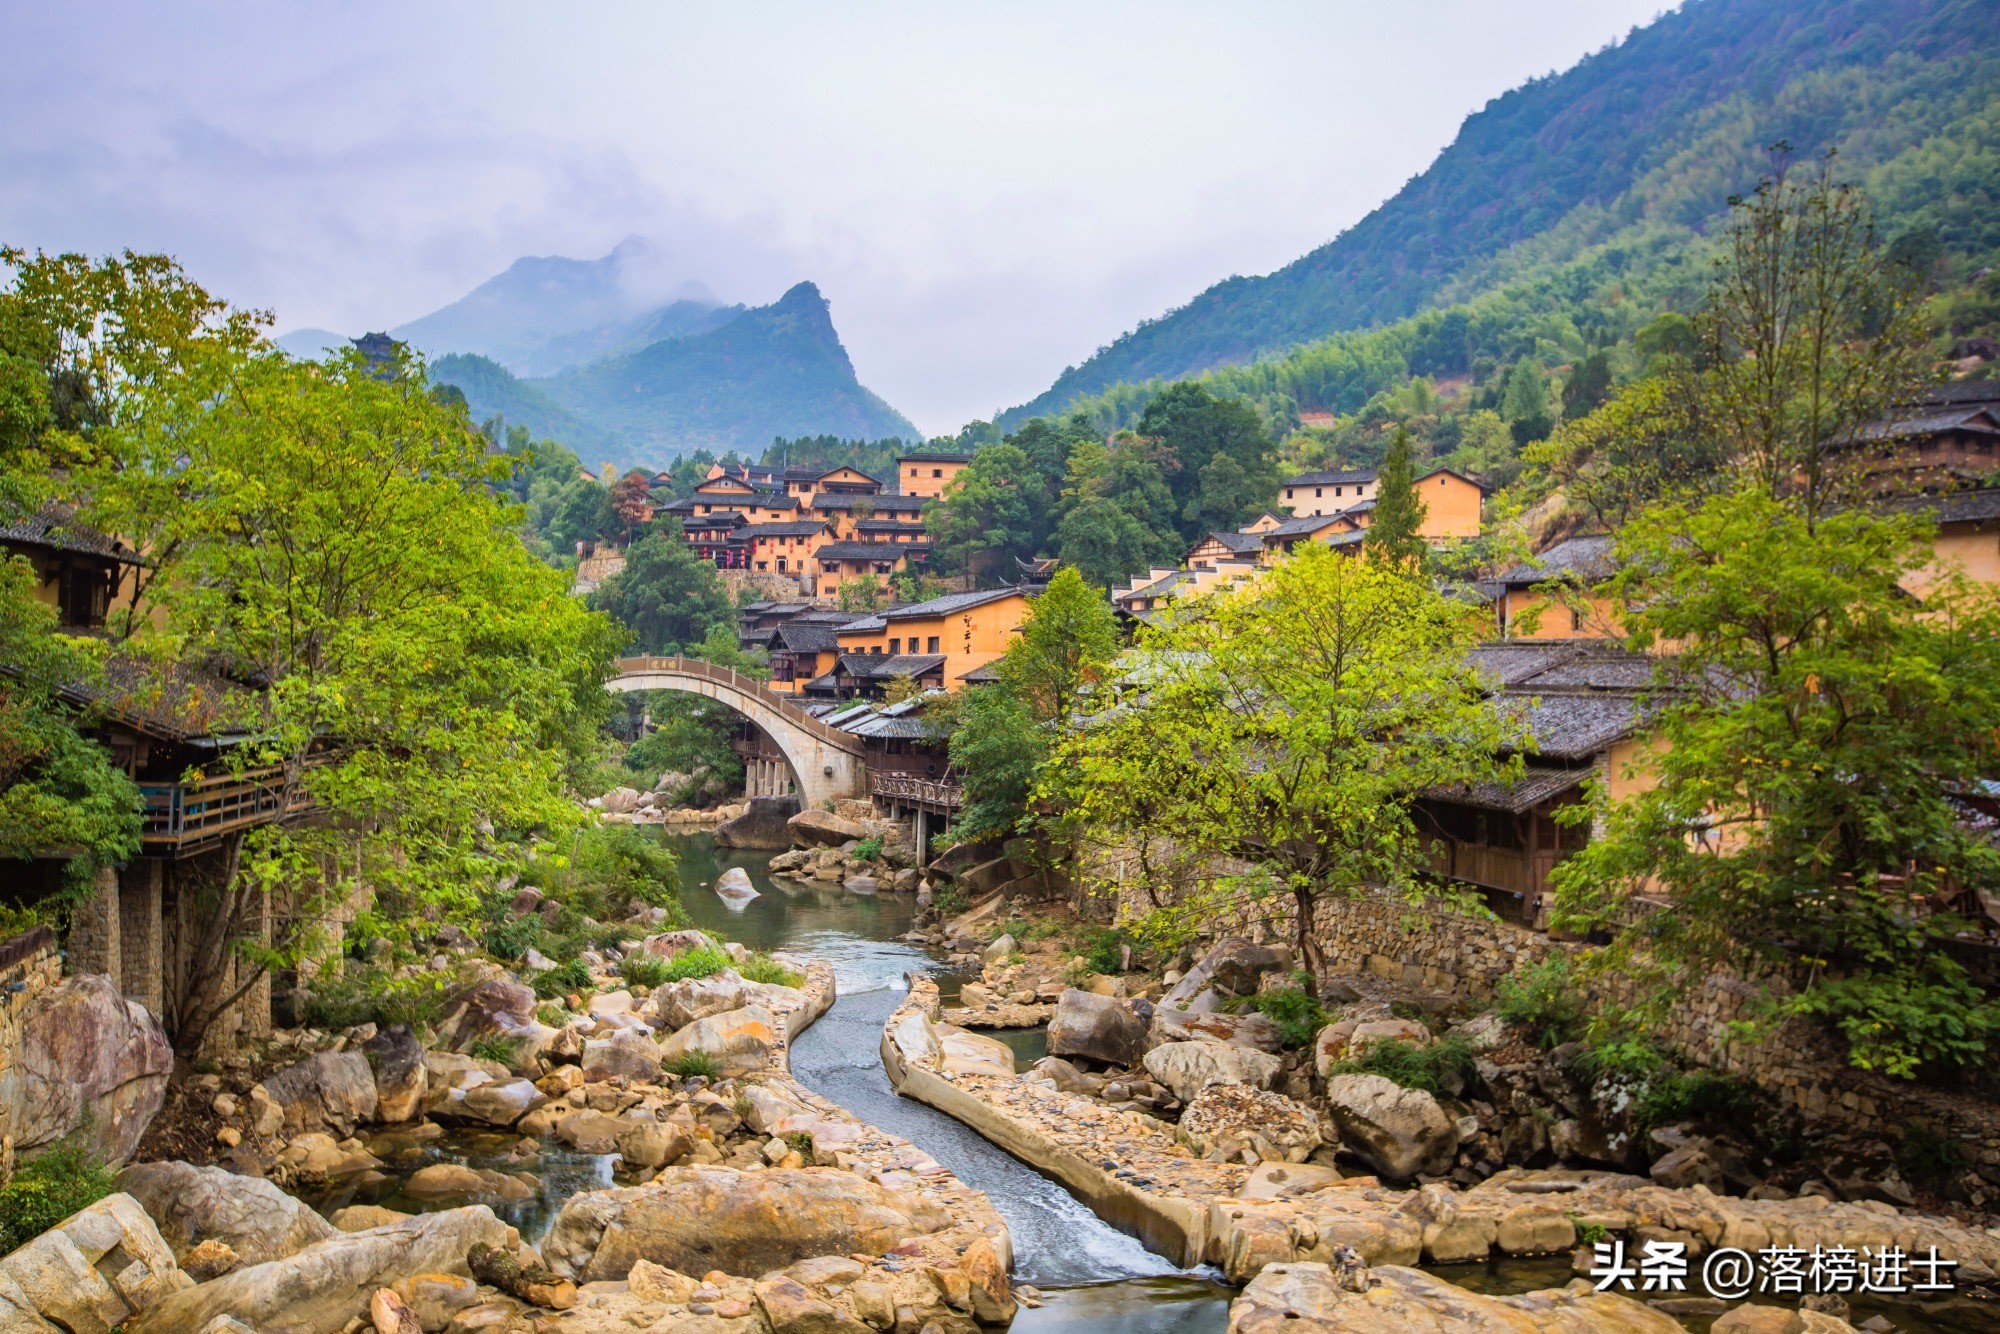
1775,1271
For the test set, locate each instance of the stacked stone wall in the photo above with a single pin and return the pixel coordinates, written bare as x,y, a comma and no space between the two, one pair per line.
30,965
1432,947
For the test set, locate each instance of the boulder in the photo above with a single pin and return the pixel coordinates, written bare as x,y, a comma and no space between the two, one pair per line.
590,1131
652,1144
85,1054
1189,1067
362,1217
679,1004
321,1288
966,1053
734,883
1000,949
1301,1298
332,1091
824,829
672,944
497,1007
1250,1029
1232,1117
501,1103
697,1219
763,825
97,1268
627,1055
1399,1132
1100,1028
251,1216
620,801
401,1077
740,1042
1234,964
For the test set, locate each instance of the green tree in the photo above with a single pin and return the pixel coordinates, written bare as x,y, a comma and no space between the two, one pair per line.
1290,729
430,689
1395,531
1116,512
1589,384
1642,447
989,516
1224,466
1525,402
1818,722
1809,331
1070,632
668,597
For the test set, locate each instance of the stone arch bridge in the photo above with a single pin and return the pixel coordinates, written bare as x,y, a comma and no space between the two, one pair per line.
826,763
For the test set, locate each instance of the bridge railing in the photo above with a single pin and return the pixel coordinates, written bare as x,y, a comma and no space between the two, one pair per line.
749,685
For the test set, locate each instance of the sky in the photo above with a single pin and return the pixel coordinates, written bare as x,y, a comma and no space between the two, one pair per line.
986,193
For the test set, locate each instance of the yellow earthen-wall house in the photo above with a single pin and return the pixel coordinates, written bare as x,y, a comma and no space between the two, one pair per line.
968,630
782,548
1451,499
1557,595
927,473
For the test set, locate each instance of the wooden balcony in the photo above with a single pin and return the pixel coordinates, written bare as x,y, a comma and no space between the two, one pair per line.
916,791
185,818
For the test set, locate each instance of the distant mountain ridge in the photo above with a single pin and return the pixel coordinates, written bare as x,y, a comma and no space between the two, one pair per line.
718,378
586,352
1654,131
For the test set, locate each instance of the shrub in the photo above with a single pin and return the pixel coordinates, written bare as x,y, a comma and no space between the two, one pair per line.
46,1190
1103,948
568,976
691,1063
1438,1068
1544,1000
1927,1156
494,1047
512,940
1690,1095
1295,1009
373,996
643,970
868,849
763,968
552,1014
702,961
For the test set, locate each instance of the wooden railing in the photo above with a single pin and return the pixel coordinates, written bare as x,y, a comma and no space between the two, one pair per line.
951,796
179,815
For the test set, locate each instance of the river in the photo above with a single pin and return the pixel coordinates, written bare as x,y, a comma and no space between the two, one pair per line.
1094,1277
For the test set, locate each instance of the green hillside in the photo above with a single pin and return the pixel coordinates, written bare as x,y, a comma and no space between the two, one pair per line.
776,370
1581,192
491,390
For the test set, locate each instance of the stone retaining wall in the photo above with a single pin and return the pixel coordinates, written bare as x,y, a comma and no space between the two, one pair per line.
1432,947
29,966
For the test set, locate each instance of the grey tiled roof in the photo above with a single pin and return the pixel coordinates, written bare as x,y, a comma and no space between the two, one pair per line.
1582,559
800,636
56,528
1350,477
883,666
951,603
1305,527
1240,543
1972,505
886,503
792,528
1535,786
883,551
1574,726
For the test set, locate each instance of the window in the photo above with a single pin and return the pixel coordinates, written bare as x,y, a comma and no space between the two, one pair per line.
1576,619
781,562
1336,490
937,472
933,645
895,646
1288,493
763,565
1319,491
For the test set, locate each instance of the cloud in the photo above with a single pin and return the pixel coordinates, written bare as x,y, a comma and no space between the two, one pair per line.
985,194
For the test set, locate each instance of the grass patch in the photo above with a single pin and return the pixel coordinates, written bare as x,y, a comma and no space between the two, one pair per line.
494,1047
691,1063
763,968
571,975
552,1014
1437,1068
65,1178
643,970
1544,1000
1028,930
702,961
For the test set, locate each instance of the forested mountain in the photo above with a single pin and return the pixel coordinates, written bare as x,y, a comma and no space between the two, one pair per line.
1611,172
776,370
491,390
